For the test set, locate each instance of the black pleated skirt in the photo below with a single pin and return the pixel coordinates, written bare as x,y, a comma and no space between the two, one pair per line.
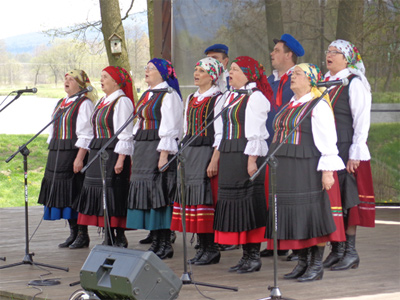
149,188
241,204
117,185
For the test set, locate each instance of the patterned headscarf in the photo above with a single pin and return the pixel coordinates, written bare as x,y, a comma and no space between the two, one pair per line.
314,75
167,72
255,72
355,64
124,80
83,81
214,68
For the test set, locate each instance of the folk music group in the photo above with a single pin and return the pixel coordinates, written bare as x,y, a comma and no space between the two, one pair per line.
323,179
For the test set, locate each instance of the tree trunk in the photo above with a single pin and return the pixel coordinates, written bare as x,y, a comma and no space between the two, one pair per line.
350,22
273,12
150,23
112,23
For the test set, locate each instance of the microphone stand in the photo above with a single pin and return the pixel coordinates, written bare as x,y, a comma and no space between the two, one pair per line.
25,152
15,98
186,277
272,161
103,161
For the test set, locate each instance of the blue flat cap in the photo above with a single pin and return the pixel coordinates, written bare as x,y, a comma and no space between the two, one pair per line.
292,43
217,48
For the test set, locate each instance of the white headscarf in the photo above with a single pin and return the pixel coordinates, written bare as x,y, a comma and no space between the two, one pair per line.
355,64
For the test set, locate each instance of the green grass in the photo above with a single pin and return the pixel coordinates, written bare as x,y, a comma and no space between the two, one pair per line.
12,173
384,144
386,97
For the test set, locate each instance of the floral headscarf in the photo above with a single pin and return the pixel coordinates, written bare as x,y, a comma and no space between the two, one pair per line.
124,80
314,75
255,72
213,67
83,81
355,64
167,72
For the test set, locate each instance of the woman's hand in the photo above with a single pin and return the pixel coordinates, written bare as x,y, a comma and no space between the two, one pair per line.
252,165
163,159
119,165
352,165
212,169
327,180
78,162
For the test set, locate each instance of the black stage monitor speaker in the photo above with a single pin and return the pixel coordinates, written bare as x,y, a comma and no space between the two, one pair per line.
118,273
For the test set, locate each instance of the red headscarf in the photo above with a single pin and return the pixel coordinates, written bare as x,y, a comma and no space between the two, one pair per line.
255,72
124,80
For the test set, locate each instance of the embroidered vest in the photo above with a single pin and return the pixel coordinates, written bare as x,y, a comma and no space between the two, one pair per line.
64,128
149,117
300,143
340,103
198,116
102,120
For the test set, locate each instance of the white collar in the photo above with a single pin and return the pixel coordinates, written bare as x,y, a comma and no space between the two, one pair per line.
307,97
276,75
339,75
210,92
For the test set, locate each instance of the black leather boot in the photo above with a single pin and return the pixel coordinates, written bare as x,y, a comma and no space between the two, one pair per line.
155,244
147,240
253,263
315,269
350,258
82,240
211,254
201,242
110,237
244,258
73,232
173,237
165,250
121,240
301,266
336,254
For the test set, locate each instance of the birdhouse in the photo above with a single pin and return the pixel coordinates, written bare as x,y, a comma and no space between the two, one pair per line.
116,44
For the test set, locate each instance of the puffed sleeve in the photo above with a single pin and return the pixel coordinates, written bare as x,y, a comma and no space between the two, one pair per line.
256,132
171,123
84,129
219,102
325,138
360,105
123,111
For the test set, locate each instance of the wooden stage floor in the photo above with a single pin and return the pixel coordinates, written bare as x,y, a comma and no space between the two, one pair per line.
378,276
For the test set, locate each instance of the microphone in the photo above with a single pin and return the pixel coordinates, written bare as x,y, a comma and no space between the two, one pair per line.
327,84
247,92
84,91
169,90
33,90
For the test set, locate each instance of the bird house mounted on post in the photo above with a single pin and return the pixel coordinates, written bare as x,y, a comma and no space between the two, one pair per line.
116,44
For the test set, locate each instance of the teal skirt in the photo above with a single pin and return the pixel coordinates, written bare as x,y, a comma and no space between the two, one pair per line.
150,219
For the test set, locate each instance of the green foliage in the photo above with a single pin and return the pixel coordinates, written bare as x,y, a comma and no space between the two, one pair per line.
384,145
386,97
12,173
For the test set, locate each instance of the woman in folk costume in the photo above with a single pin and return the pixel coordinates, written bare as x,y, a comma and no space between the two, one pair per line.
69,139
307,162
156,134
241,212
201,160
352,107
110,113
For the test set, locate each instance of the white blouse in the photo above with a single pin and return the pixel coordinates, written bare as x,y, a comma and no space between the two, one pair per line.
324,134
123,111
360,104
217,109
256,115
171,120
84,130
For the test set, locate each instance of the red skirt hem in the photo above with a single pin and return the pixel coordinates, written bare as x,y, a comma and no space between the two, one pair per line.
115,222
240,238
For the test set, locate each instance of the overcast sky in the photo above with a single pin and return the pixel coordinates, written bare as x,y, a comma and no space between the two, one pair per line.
26,16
